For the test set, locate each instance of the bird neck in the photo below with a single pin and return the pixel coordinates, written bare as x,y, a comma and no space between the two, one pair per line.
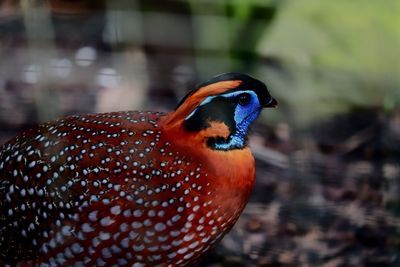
231,172
236,139
218,134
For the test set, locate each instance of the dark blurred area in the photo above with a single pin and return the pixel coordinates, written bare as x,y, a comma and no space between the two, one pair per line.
328,159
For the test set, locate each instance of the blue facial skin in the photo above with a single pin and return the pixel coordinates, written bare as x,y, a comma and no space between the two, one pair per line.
244,116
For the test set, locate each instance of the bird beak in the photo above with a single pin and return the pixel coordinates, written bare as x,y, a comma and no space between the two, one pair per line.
271,104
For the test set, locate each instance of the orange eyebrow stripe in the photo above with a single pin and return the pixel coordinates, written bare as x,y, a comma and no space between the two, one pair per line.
176,118
215,89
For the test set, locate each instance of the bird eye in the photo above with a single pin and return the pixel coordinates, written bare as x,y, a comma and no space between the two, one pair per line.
244,99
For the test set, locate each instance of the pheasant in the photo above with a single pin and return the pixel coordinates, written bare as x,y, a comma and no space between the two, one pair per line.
131,188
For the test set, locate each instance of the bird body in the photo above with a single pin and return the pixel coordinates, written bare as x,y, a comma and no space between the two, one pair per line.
129,188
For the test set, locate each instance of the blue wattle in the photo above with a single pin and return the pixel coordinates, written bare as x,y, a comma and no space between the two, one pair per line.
238,139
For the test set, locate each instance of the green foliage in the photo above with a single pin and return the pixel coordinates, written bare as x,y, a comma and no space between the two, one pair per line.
339,54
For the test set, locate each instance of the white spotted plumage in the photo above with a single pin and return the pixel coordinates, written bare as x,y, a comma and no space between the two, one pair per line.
108,183
131,188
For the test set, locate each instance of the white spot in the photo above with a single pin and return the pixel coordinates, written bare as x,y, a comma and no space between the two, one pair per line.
174,233
115,210
125,242
136,225
93,216
86,227
182,250
32,164
151,213
160,227
137,213
123,227
104,236
138,248
76,248
194,244
127,213
190,217
133,235
188,256
66,230
106,253
161,213
204,240
100,262
96,241
188,237
171,255
162,238
180,209
106,221
176,218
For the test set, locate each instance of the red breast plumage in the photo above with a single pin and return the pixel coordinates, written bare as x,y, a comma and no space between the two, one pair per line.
122,189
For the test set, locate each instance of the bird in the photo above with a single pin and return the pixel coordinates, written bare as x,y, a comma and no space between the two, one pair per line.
131,188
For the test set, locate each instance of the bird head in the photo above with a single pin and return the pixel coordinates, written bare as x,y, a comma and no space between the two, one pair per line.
222,109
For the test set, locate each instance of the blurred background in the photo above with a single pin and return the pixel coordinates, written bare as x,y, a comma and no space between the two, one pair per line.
328,159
